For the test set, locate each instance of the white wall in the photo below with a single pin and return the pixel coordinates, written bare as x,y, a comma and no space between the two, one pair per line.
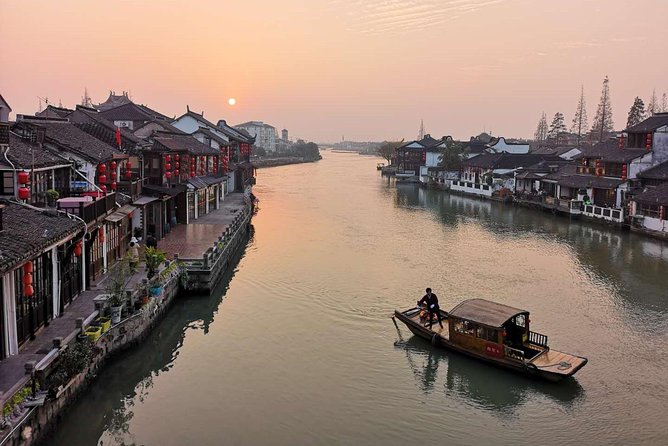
502,146
654,224
432,159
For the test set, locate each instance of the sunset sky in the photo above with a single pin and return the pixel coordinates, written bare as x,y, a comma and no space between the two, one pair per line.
366,69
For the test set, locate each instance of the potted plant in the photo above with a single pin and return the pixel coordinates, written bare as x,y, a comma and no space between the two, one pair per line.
118,279
52,196
154,258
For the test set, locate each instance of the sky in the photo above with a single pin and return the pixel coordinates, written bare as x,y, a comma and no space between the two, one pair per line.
327,69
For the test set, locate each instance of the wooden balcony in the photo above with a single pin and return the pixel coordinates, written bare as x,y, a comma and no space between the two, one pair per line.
90,211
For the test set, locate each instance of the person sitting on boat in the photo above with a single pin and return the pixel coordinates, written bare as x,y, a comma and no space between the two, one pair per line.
431,302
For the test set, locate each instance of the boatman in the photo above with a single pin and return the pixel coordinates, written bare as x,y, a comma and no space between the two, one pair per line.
431,302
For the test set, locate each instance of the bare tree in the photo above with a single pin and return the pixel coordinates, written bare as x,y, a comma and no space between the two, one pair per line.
652,104
388,148
603,124
541,129
580,122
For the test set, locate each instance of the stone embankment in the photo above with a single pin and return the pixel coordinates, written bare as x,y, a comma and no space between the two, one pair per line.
273,162
33,419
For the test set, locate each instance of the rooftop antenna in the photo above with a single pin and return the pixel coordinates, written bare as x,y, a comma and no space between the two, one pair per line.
86,100
46,101
421,132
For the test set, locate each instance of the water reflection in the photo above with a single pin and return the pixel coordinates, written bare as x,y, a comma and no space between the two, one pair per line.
105,414
469,381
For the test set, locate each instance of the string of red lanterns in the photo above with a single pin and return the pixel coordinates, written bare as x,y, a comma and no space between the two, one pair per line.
24,190
28,289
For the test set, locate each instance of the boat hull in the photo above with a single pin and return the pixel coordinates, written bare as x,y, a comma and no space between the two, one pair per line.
525,368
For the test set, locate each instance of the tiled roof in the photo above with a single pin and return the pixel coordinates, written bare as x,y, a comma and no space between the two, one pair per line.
160,191
208,133
131,112
70,138
207,180
650,124
658,172
426,143
609,151
172,141
85,116
25,154
507,160
165,125
654,195
26,233
239,135
584,181
199,118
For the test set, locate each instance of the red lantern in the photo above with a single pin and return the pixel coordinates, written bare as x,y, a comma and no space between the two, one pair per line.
24,193
113,176
27,279
27,267
624,171
177,164
168,166
176,173
128,165
192,174
102,168
168,175
113,185
102,179
176,157
113,165
168,158
621,142
28,291
103,188
24,177
128,174
100,234
77,249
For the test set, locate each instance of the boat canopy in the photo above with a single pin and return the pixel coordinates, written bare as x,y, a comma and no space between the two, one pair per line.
485,312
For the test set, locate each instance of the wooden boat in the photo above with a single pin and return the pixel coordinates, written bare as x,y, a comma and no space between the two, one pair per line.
497,334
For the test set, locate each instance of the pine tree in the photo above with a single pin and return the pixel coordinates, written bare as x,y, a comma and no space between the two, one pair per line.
637,112
603,120
652,105
580,124
557,127
664,103
541,130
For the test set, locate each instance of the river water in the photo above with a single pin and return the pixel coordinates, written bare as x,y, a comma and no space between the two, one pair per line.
297,346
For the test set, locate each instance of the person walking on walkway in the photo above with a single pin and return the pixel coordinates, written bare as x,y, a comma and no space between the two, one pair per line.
431,302
151,242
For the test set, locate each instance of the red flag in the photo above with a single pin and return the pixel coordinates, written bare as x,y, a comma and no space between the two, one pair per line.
118,137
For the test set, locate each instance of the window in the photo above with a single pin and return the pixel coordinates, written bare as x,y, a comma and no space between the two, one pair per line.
520,320
465,327
648,210
488,334
7,183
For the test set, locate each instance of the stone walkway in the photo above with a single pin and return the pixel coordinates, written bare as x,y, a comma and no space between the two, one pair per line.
191,241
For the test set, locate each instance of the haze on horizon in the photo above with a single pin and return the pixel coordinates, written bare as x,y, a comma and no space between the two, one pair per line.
366,69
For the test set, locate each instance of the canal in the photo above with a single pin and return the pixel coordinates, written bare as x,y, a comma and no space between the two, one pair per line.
297,346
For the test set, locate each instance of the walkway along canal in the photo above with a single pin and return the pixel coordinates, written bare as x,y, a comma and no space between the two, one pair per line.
298,348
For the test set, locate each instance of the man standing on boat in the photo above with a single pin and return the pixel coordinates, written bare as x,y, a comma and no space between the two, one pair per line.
431,302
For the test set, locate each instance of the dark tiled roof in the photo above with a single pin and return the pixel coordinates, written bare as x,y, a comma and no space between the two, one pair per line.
207,180
658,172
426,143
165,125
159,191
70,138
239,135
26,233
131,112
609,151
172,141
86,115
114,100
208,133
654,195
52,110
508,160
25,154
650,124
584,181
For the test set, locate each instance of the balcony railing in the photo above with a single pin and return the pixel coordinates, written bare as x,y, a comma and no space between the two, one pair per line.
537,339
472,188
131,188
90,211
606,213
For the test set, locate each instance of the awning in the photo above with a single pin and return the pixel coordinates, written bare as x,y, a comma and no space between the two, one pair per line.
121,213
141,201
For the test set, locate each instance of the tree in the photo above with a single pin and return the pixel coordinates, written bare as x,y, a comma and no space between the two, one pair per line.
652,105
580,123
451,156
664,103
388,148
557,127
603,120
637,112
541,130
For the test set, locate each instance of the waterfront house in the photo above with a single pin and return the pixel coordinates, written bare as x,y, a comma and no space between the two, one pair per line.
485,174
649,210
131,115
650,135
41,270
415,157
500,145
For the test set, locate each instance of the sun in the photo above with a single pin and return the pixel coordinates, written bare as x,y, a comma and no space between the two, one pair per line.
232,101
